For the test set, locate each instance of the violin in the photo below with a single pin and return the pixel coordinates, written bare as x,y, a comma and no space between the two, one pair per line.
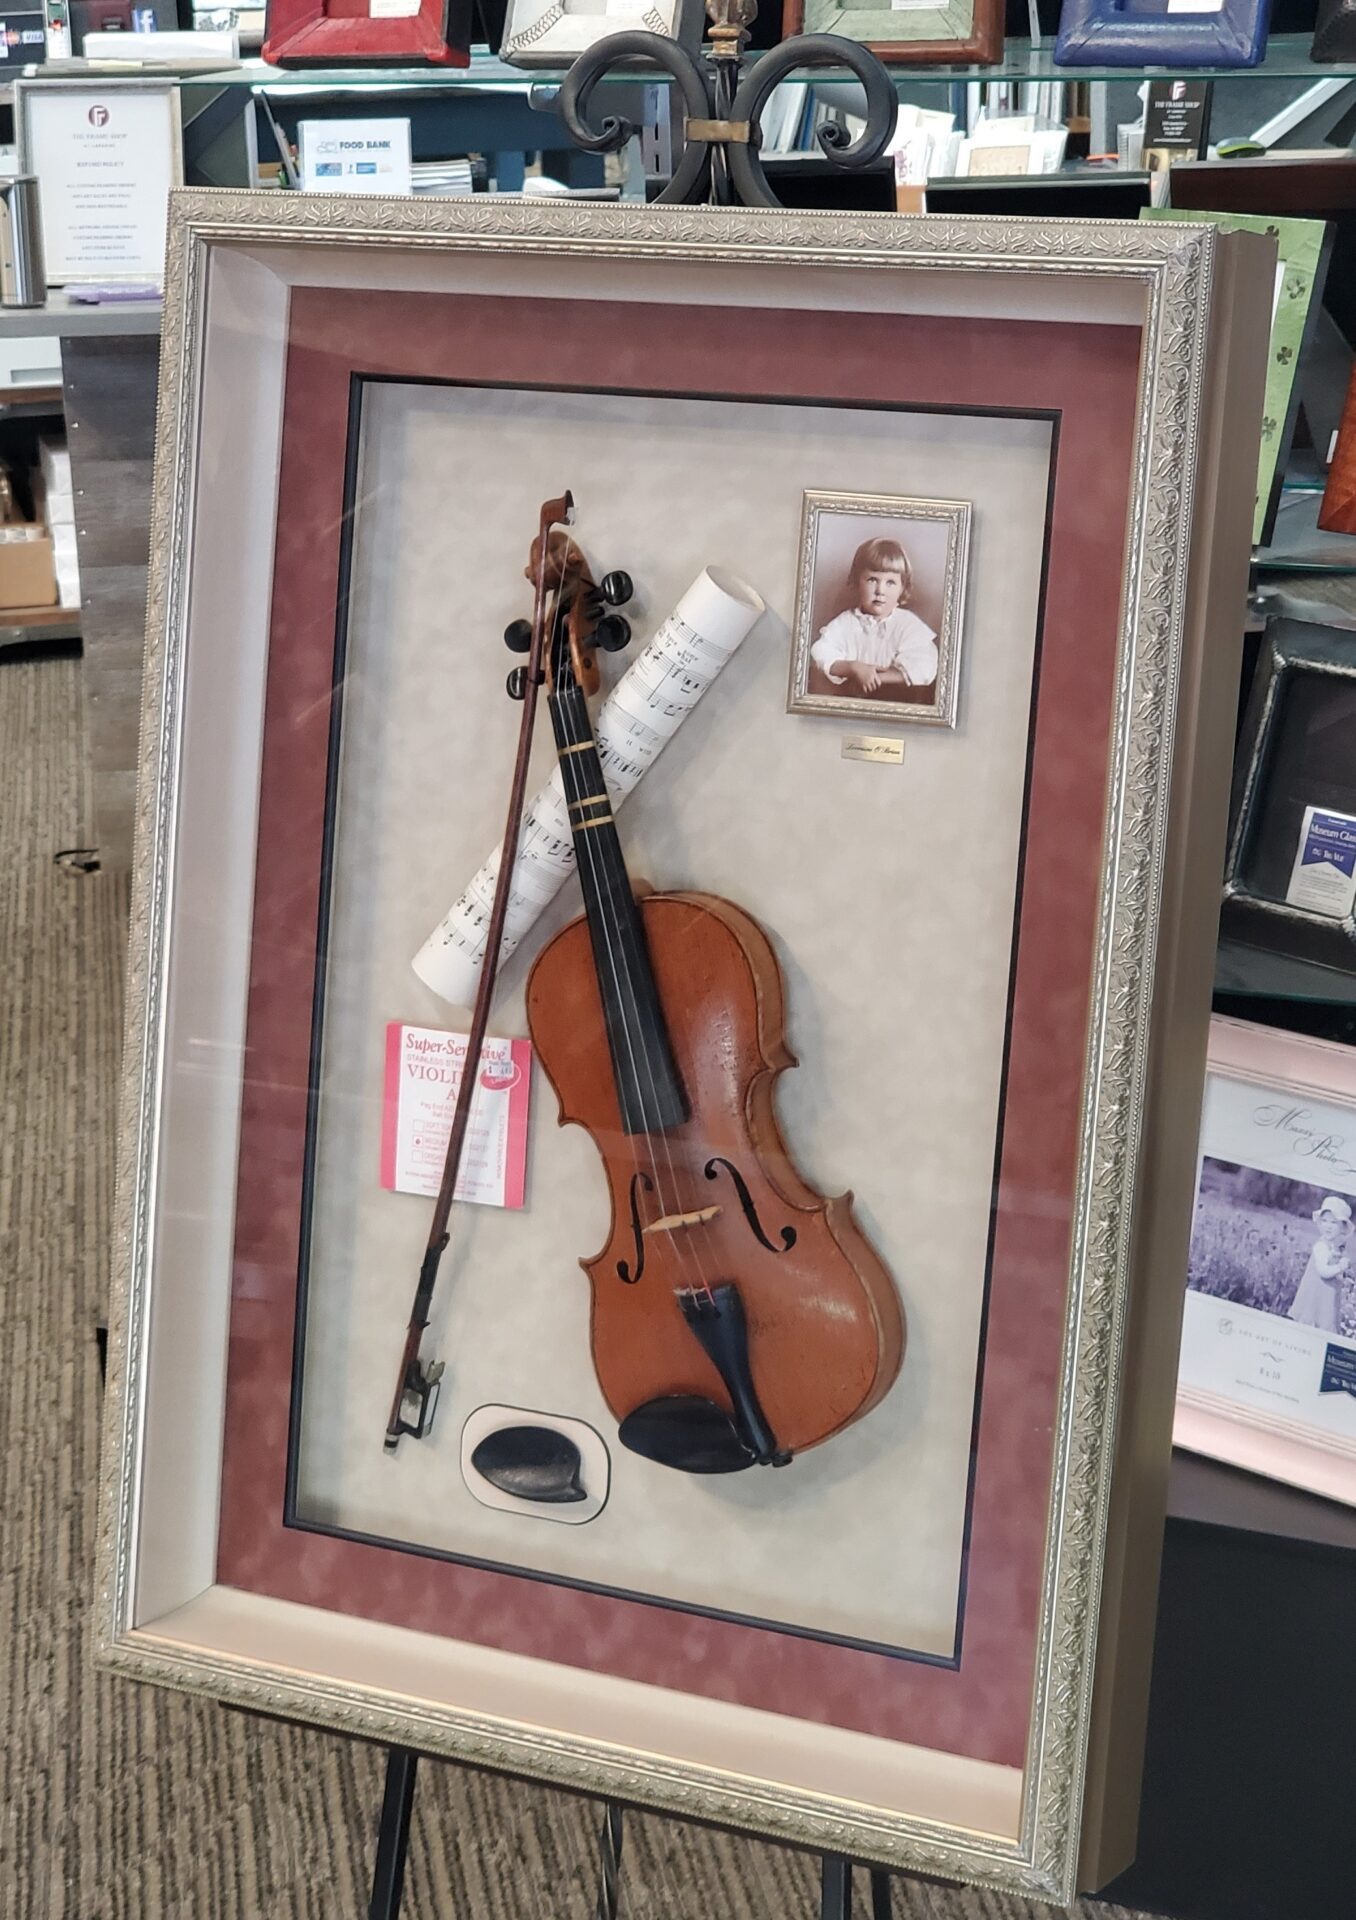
738,1316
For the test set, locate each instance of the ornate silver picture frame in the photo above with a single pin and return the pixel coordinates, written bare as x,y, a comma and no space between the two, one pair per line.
324,368
547,33
880,608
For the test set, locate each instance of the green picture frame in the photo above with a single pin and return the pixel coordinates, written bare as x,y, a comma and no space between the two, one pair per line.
1303,249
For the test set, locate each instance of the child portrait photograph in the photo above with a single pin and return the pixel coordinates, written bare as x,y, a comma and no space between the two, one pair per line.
1278,1245
879,607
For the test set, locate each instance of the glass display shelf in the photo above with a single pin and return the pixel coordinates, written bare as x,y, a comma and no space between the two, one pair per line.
1299,544
1287,58
1253,973
1304,474
485,73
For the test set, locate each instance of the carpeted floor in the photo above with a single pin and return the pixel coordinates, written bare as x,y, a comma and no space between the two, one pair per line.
127,1803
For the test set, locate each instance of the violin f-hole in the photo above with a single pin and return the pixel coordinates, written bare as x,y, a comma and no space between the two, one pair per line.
638,1180
787,1235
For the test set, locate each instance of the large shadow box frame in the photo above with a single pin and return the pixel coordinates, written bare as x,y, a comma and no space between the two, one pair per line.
1121,365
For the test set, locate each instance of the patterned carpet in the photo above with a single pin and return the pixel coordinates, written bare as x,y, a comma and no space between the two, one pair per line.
128,1803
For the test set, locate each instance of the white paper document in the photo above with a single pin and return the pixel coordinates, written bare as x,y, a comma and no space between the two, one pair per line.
638,719
354,156
106,158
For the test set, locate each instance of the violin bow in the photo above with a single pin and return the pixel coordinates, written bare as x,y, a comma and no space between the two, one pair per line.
419,1380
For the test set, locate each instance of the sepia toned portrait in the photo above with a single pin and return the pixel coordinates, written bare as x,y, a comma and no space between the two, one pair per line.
879,607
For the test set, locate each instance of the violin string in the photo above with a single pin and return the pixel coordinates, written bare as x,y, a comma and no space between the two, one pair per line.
667,1202
687,1245
591,857
587,855
673,1203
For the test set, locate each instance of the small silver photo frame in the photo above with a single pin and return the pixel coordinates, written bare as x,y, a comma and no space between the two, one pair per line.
552,33
880,605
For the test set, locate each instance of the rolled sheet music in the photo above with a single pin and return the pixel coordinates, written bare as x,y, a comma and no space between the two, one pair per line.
634,725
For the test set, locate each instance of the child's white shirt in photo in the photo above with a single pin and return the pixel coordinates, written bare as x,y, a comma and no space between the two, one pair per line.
899,639
1329,1260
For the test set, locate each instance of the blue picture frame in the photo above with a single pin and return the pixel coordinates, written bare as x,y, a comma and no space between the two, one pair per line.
1144,33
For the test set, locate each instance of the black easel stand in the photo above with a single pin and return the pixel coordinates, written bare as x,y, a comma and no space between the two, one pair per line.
393,1841
719,158
835,1901
393,1835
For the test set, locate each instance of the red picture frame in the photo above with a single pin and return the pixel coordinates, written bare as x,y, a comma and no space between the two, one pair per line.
332,33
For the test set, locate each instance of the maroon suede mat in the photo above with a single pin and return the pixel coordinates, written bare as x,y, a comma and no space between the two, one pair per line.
1089,375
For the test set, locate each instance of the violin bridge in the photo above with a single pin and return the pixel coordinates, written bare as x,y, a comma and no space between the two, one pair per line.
672,1221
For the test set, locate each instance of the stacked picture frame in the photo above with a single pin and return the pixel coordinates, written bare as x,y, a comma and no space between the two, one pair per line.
1268,1371
954,32
918,1634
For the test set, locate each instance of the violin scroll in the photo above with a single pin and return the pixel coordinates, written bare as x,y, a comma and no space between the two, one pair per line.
574,608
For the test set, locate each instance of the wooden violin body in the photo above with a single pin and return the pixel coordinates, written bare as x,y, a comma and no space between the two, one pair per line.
711,1210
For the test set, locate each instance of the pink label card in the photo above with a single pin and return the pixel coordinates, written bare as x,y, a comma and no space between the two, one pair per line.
423,1072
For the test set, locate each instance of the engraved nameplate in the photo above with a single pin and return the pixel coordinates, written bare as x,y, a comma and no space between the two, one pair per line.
874,746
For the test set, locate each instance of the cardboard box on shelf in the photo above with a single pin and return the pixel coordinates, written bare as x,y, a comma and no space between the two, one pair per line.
27,568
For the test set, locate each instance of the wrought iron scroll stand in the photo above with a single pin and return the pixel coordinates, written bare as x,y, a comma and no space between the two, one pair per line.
719,161
393,1839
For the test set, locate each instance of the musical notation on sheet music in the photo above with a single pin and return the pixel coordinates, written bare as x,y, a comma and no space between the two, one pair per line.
634,725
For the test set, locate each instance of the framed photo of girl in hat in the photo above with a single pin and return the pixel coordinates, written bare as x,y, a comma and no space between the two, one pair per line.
1267,1378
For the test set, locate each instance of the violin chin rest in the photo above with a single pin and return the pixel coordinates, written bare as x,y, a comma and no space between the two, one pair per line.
688,1433
531,1463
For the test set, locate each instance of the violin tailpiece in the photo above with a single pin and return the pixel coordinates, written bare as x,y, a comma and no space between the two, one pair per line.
716,1316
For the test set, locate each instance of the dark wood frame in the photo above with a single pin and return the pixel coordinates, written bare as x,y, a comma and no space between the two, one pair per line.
1293,650
982,47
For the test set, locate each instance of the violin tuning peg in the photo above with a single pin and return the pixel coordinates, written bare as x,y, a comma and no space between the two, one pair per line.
518,636
517,683
616,588
612,633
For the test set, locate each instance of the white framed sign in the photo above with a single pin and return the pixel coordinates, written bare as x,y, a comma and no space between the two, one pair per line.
354,156
106,154
1267,1378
